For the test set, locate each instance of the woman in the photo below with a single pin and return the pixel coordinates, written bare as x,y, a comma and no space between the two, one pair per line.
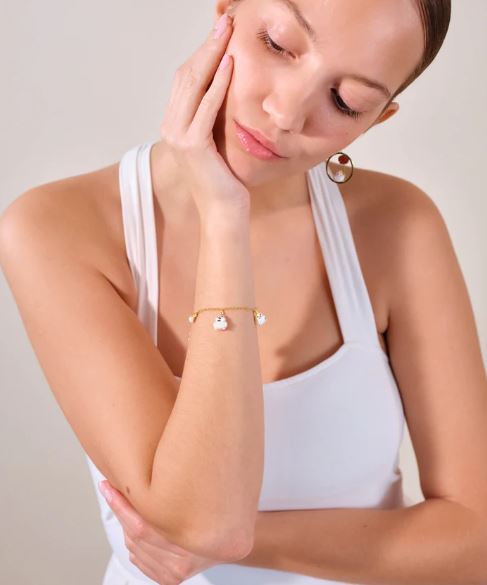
201,438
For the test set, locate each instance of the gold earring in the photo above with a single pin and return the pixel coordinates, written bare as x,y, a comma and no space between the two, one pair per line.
340,176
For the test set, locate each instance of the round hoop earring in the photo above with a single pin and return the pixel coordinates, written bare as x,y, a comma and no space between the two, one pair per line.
339,176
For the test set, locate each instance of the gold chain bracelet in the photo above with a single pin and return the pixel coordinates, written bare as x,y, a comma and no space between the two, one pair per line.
220,323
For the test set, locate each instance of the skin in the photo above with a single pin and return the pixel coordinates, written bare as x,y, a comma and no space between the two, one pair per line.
308,128
288,97
405,254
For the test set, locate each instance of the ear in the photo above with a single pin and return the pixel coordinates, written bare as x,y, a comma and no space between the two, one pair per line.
391,109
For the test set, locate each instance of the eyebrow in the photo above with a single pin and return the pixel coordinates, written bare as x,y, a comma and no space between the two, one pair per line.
310,31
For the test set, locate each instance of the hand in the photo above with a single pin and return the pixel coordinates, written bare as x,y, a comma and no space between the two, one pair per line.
187,130
158,558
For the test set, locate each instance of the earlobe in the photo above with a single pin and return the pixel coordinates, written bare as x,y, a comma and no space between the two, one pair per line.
391,109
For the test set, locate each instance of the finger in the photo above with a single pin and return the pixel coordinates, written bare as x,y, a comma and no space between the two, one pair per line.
153,559
134,525
154,544
123,510
147,570
194,78
161,570
204,119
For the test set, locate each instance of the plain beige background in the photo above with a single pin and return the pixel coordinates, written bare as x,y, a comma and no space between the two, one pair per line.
82,82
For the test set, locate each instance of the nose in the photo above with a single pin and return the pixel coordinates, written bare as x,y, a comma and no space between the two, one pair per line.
287,109
285,112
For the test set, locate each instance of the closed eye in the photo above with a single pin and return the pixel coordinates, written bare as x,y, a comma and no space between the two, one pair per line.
340,105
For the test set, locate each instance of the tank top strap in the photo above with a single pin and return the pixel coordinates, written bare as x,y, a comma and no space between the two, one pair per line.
139,230
352,301
350,295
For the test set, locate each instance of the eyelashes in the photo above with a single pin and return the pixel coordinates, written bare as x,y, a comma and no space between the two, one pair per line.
340,105
344,108
264,36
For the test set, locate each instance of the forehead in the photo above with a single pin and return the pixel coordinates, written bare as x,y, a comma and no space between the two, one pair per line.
380,37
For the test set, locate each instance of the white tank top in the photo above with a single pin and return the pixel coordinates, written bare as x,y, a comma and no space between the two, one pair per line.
333,432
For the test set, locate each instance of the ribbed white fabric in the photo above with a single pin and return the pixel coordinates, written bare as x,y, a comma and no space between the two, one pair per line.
332,432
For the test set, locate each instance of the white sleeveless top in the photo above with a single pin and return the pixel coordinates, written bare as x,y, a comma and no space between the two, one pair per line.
332,432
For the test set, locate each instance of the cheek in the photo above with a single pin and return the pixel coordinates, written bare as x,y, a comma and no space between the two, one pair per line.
249,68
246,80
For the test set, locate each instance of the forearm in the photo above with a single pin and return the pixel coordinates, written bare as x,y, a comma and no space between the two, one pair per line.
436,542
209,462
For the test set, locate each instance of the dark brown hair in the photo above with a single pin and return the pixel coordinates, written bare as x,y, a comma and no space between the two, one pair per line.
435,17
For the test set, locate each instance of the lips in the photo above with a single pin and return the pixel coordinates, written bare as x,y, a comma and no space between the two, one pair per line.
262,139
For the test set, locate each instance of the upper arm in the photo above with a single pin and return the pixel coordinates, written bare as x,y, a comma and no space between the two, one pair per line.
436,356
109,379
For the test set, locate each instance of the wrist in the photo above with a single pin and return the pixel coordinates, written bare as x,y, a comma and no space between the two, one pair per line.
226,220
225,226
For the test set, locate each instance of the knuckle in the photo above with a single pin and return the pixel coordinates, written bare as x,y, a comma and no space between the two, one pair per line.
171,141
183,569
190,143
191,78
179,73
198,142
129,543
139,530
133,558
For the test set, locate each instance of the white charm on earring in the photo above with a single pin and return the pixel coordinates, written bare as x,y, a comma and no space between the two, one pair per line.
220,323
339,176
260,318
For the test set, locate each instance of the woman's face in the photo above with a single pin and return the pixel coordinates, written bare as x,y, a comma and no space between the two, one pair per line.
301,95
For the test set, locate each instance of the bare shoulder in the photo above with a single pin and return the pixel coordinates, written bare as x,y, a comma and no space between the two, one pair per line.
83,212
433,342
378,193
387,214
392,207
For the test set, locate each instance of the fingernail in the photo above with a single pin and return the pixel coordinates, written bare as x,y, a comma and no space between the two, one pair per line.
224,62
105,491
221,25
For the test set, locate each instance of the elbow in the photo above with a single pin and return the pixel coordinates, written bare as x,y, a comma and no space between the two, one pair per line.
229,550
207,539
220,536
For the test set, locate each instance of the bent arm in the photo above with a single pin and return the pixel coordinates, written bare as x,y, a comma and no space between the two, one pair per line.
189,460
215,434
